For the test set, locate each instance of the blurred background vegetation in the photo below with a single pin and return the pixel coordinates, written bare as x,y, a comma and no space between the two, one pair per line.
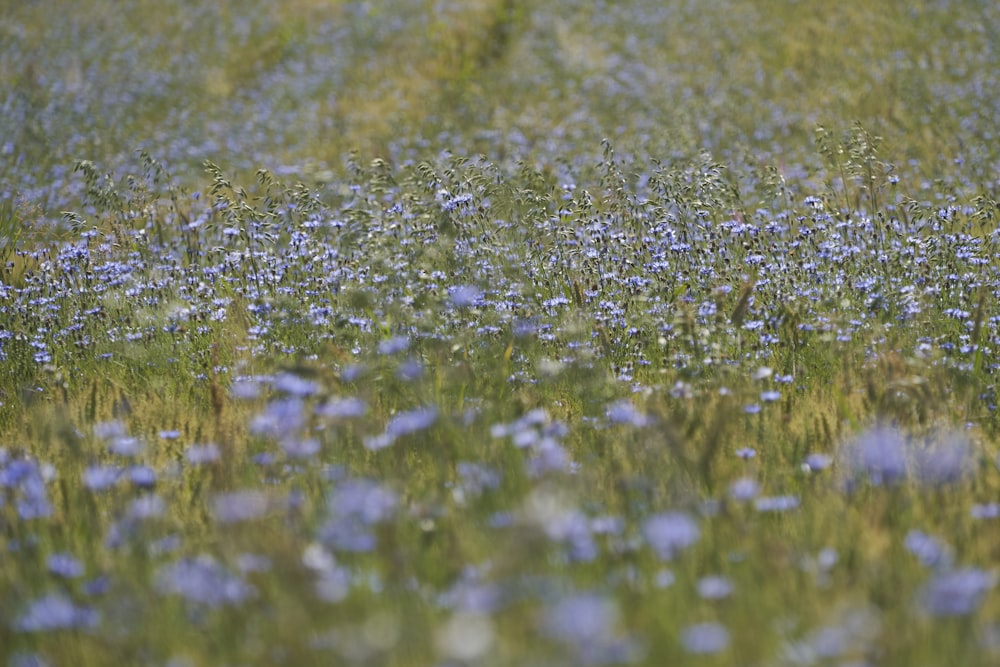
301,84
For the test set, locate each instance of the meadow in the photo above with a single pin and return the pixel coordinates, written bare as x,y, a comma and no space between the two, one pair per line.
499,333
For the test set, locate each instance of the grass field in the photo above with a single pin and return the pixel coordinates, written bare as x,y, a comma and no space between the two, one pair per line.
430,333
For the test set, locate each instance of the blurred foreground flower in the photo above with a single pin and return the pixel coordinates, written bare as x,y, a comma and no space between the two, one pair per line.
884,455
668,534
956,593
56,612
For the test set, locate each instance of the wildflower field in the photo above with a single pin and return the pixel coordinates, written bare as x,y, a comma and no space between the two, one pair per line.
499,333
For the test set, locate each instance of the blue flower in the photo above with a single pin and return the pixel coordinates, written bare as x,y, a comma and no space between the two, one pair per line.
143,477
744,489
282,417
348,533
714,587
705,638
101,478
879,454
931,551
957,592
239,506
464,296
817,462
125,446
199,454
292,384
410,370
668,534
776,503
394,345
110,429
56,612
623,412
300,448
342,408
986,511
587,623
204,581
65,565
945,459
474,478
148,506
582,618
404,423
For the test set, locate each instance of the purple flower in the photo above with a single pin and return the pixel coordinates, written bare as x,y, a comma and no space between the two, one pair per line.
668,534
342,408
333,585
110,429
352,373
300,448
34,506
714,588
956,593
583,618
17,471
56,612
410,370
705,638
348,533
377,442
744,489
987,511
101,478
146,507
946,459
470,594
587,623
245,388
879,454
204,581
816,462
404,423
239,506
143,477
363,498
464,296
931,551
776,503
199,454
125,446
293,385
474,478
356,505
65,565
281,417
394,345
549,456
623,412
